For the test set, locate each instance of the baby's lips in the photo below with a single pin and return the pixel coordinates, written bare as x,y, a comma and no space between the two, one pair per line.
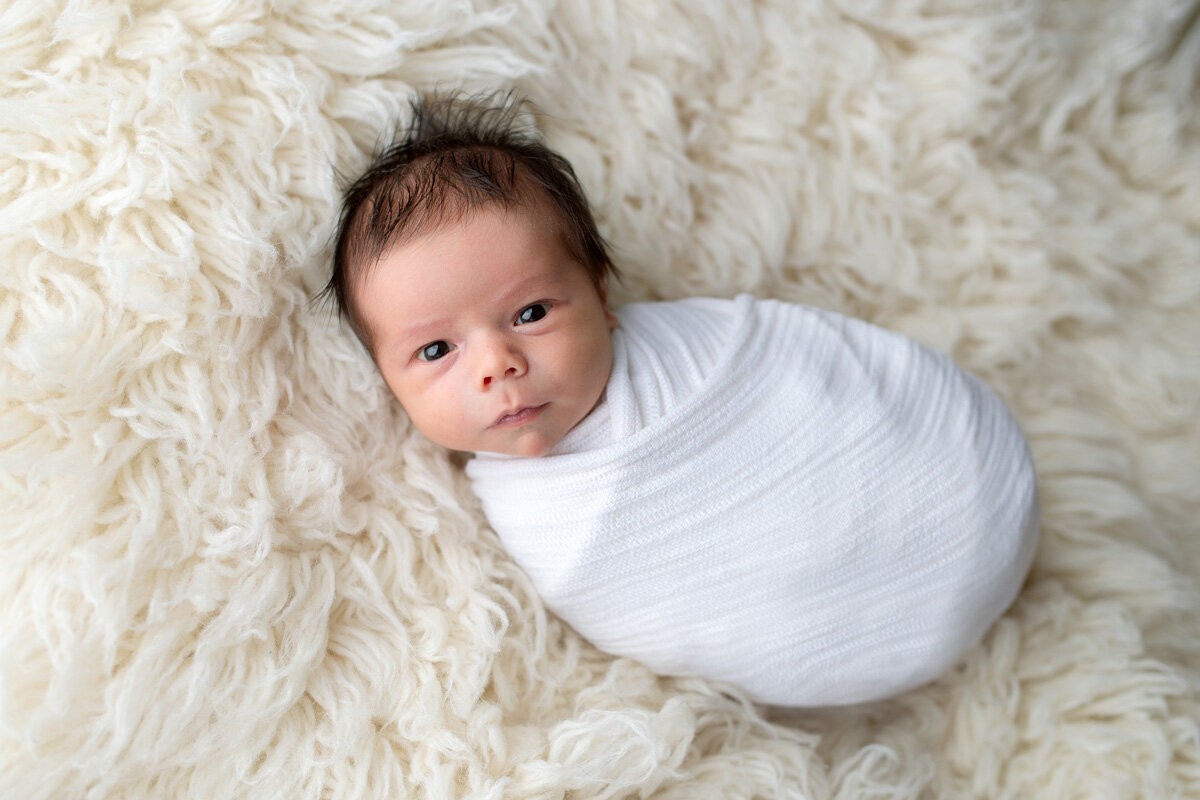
521,416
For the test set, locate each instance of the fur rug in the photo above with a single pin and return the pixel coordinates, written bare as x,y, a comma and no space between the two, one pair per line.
230,568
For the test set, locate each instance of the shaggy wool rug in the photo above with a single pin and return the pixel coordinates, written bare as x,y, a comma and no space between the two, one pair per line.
230,568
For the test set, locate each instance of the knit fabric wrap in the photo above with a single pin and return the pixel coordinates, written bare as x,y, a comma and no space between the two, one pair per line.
810,507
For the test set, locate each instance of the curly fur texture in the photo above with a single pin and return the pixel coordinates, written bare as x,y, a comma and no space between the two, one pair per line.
230,568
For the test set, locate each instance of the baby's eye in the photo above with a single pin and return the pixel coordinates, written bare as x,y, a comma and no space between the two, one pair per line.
433,351
532,313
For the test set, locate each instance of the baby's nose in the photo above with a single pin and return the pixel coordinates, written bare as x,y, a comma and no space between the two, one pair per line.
500,361
511,372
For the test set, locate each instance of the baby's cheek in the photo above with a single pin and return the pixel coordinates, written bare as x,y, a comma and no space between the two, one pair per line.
588,358
445,415
430,413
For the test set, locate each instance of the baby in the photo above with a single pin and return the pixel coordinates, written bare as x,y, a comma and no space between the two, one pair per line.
804,505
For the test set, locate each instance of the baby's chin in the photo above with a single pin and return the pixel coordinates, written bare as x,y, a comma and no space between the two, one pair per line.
527,444
530,447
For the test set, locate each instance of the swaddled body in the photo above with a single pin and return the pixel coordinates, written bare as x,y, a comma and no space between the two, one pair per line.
805,505
810,507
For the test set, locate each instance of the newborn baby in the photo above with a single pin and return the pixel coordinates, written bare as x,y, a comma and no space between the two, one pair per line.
809,507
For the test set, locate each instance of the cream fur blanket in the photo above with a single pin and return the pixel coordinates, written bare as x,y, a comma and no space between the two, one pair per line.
230,568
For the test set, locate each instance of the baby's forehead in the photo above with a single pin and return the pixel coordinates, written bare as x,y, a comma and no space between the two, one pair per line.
546,224
499,243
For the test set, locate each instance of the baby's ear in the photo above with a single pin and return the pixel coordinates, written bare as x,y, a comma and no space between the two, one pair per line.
608,314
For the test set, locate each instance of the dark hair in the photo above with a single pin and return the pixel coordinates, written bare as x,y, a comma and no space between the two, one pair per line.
457,154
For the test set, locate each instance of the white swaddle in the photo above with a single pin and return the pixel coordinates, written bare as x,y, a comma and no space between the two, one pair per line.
805,505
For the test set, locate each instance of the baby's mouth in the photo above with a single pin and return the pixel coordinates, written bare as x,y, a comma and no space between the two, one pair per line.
519,417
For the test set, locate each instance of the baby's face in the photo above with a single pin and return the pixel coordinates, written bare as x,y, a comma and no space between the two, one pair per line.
489,333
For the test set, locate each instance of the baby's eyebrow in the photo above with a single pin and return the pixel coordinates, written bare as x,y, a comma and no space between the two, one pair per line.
422,332
527,286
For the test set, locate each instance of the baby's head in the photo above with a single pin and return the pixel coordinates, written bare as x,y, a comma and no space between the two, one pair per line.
469,266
